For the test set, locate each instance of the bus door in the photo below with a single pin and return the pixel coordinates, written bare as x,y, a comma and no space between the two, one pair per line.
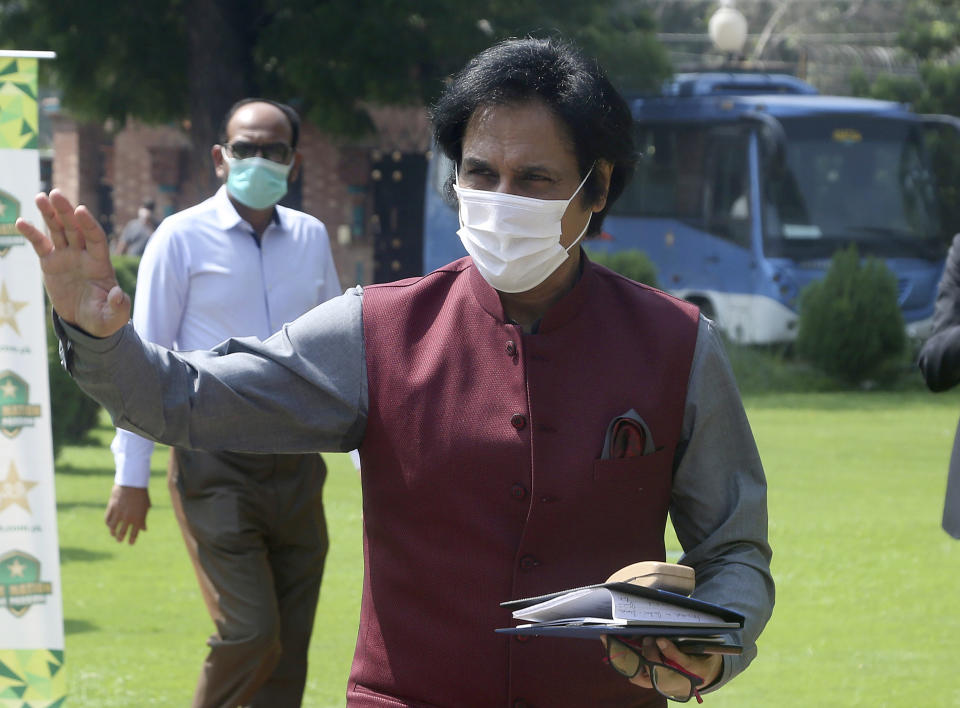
725,262
690,208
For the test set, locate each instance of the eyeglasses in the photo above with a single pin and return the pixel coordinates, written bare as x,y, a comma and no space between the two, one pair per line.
275,152
669,679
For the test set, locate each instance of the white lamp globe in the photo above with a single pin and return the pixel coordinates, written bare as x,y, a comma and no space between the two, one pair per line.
728,28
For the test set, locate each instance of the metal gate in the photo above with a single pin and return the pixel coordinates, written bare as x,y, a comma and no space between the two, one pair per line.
398,181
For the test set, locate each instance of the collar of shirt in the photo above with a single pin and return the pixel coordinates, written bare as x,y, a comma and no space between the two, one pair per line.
562,311
228,218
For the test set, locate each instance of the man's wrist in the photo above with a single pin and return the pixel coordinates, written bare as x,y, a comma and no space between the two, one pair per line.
78,335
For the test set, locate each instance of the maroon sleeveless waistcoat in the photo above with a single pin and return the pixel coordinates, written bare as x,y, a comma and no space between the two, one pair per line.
482,481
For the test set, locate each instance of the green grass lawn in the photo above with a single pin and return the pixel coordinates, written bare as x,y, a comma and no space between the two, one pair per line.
866,609
135,623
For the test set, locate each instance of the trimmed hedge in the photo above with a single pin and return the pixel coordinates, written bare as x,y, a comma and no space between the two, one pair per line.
632,263
73,413
850,325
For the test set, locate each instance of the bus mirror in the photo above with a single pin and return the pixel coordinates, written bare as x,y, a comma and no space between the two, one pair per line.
941,137
773,141
936,122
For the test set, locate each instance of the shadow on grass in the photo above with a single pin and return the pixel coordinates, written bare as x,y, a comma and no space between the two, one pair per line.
75,626
74,470
72,553
68,506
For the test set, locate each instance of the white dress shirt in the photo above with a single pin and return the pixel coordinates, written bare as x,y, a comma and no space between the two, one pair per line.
204,278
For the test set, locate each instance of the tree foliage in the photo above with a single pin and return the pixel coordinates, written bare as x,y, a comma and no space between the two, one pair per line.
74,413
931,28
163,60
113,59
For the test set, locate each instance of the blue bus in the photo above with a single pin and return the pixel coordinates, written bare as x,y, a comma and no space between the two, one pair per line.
745,187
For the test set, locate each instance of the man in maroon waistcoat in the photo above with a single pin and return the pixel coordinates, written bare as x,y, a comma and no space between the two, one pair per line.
479,396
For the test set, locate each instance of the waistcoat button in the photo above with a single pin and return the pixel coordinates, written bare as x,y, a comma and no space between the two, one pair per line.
511,348
518,491
529,562
518,421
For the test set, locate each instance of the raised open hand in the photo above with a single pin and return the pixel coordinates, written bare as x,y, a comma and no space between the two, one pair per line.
77,272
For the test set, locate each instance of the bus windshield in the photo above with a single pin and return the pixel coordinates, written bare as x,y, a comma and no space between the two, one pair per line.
850,180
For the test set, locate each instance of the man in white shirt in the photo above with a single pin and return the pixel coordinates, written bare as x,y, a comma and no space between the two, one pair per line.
238,265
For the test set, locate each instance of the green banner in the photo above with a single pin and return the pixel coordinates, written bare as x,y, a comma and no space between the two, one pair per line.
32,679
18,103
32,673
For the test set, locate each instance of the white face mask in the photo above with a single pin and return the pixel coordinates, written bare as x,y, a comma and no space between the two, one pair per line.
514,241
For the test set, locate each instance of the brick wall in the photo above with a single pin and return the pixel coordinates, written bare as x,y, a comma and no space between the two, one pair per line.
142,158
327,196
78,161
142,162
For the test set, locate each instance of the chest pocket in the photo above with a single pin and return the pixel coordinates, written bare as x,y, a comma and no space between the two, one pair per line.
646,475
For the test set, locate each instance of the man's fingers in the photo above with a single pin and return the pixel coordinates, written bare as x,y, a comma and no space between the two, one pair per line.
41,244
669,650
92,232
65,215
50,218
650,651
133,534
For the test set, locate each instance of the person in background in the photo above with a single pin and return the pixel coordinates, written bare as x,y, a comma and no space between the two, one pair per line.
480,396
238,264
133,239
939,363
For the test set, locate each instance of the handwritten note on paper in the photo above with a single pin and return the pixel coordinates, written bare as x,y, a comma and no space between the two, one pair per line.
631,607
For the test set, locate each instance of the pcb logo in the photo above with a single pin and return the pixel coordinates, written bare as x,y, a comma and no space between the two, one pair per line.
16,412
9,212
20,584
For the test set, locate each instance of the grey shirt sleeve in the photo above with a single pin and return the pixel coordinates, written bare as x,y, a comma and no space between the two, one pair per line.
719,504
304,389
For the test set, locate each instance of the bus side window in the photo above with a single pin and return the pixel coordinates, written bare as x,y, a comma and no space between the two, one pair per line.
690,174
669,179
658,173
727,192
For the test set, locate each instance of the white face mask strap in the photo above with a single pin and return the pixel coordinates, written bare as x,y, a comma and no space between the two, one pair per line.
577,240
589,172
589,217
456,183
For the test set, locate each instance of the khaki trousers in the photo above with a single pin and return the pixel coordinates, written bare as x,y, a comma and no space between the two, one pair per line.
255,531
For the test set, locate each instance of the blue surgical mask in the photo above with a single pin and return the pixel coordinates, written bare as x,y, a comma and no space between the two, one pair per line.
257,182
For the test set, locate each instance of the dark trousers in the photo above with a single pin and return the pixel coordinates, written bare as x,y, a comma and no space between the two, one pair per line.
256,533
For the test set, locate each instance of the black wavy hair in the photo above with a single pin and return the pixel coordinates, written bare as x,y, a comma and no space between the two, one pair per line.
574,87
288,111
